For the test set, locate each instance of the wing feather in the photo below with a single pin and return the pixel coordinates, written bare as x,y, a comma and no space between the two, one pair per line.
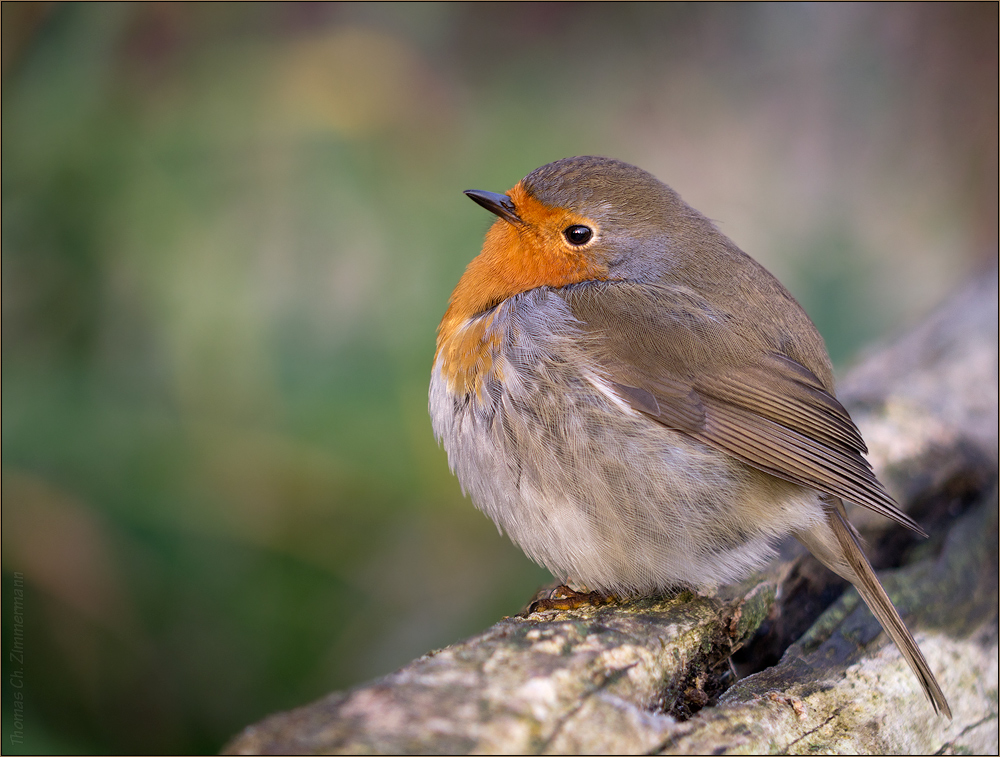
677,360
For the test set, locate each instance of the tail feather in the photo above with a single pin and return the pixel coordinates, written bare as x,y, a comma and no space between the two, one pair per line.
878,602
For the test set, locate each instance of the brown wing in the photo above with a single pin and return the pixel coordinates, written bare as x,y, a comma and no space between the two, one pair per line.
675,359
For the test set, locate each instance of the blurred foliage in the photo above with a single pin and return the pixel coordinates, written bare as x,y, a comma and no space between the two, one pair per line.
228,234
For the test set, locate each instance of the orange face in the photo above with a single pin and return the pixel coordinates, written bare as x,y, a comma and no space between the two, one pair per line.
519,257
515,258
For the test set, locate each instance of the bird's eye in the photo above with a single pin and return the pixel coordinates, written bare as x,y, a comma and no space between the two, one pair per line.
577,234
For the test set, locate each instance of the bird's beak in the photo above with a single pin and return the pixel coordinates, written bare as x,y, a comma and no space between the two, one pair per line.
501,205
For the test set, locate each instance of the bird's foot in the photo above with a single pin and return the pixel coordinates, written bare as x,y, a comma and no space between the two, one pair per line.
564,598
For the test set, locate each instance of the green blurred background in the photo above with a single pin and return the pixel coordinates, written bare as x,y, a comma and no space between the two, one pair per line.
229,232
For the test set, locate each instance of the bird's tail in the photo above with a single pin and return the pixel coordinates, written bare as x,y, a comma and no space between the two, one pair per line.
844,557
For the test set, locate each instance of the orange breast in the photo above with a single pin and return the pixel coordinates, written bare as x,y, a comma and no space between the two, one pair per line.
467,356
514,259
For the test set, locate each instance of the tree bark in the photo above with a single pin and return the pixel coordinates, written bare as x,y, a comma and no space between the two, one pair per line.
815,674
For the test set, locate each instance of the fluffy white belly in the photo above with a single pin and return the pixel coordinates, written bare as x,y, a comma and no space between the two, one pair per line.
597,492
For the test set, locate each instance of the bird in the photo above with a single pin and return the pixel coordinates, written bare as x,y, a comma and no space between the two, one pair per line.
639,404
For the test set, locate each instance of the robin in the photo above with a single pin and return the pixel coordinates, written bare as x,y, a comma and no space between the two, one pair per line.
639,404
